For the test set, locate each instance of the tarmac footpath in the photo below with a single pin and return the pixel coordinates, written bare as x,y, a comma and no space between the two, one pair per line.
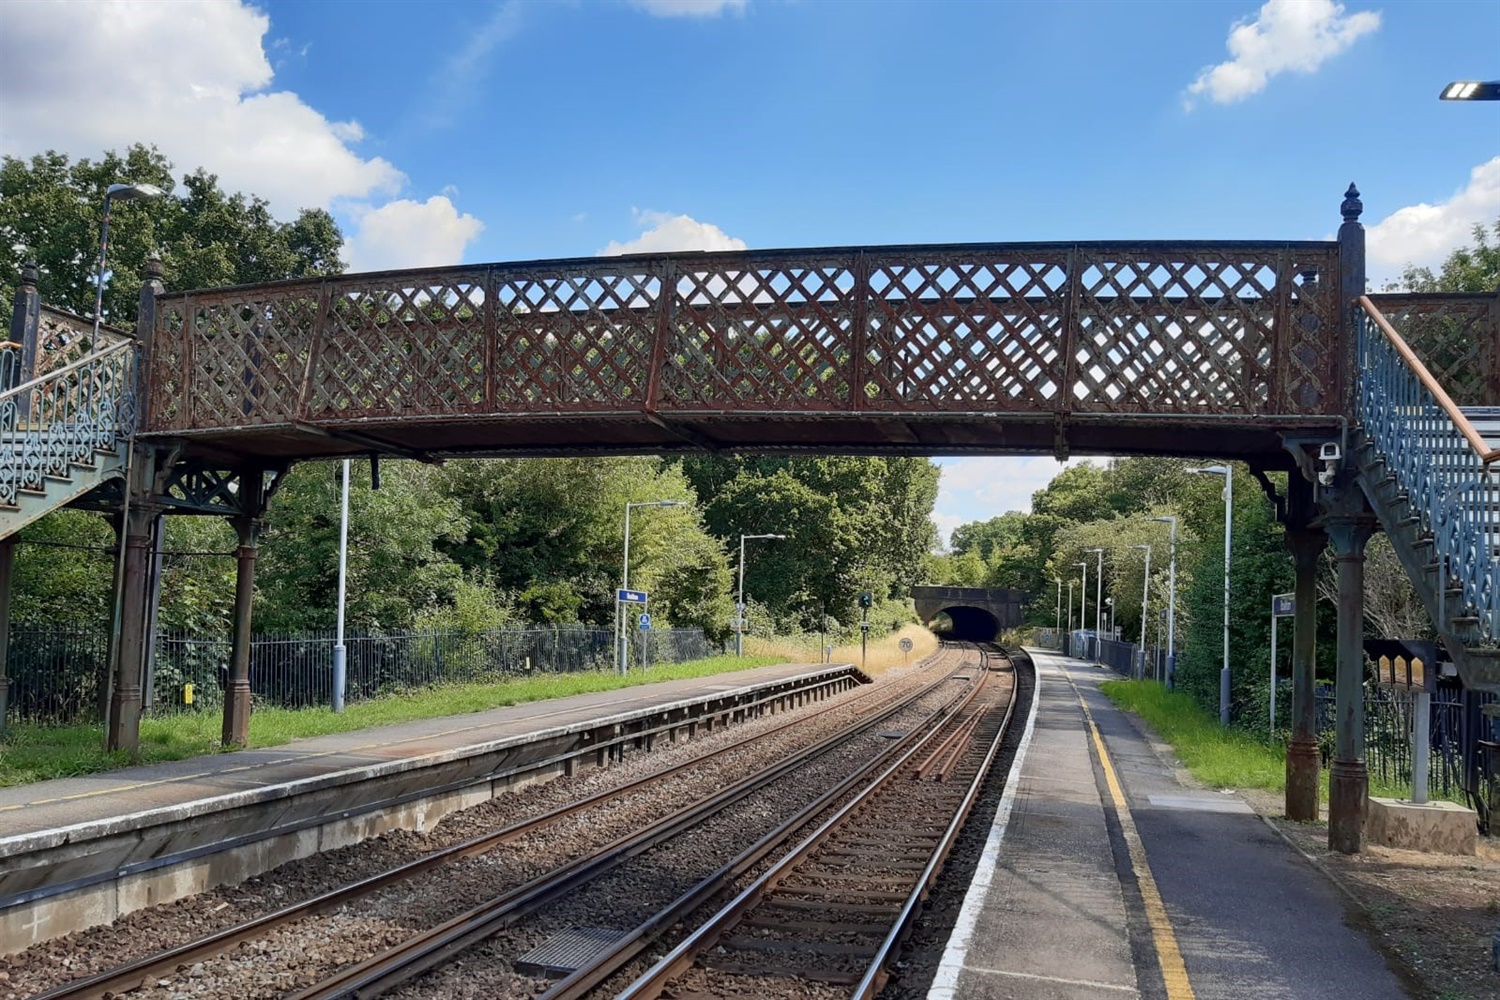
1105,878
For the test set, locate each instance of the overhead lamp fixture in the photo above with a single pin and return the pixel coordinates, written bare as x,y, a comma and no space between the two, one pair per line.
1471,90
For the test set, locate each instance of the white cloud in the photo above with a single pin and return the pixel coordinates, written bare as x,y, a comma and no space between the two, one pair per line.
410,234
1287,35
690,8
1425,234
459,80
977,489
663,233
192,78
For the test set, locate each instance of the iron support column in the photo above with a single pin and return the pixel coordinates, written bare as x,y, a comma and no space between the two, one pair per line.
7,567
236,730
1348,779
132,601
1303,760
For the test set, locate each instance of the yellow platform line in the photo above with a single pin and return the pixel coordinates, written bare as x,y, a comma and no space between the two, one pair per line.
1163,938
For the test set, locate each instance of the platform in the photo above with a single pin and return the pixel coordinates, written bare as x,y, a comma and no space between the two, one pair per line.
76,852
1105,876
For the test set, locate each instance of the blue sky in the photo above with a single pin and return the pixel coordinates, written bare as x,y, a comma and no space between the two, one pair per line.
443,131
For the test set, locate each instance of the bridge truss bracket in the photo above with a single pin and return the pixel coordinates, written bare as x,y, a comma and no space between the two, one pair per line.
1060,435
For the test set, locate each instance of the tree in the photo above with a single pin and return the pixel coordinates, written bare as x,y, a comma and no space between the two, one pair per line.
51,209
1467,269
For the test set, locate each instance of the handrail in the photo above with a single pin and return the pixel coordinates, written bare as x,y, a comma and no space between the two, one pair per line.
63,418
56,373
1476,441
1443,467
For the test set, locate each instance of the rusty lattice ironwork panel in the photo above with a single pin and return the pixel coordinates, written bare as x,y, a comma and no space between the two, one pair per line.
748,333
1164,329
1455,335
244,355
575,339
960,331
399,345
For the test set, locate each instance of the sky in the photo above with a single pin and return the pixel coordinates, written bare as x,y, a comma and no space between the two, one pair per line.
445,132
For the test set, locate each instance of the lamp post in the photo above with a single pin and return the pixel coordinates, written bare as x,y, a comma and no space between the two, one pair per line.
739,618
1058,581
1171,602
121,192
340,651
1471,90
1083,598
1145,596
1098,603
1070,606
622,645
1228,474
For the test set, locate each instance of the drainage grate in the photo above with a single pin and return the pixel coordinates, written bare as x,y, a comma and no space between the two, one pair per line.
566,952
891,734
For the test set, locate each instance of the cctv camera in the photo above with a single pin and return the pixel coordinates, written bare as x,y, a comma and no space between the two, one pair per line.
1329,452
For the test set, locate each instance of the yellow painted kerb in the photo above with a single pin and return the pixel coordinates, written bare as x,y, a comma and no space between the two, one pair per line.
1168,955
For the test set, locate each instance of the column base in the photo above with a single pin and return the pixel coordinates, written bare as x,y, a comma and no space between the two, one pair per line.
123,731
1303,762
1348,803
236,714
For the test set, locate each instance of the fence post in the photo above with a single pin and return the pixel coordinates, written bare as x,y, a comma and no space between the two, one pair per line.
7,566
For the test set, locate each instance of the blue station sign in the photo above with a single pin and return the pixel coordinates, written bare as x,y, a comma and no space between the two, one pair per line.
631,596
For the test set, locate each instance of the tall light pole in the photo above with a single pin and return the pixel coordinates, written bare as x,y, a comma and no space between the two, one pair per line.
1083,598
1058,581
1228,474
115,192
1145,596
1098,604
622,645
1171,603
739,618
1070,605
340,651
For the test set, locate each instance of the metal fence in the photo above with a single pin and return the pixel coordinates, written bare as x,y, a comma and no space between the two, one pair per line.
1459,733
61,676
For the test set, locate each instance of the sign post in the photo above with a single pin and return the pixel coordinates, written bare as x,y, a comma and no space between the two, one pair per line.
1282,606
623,599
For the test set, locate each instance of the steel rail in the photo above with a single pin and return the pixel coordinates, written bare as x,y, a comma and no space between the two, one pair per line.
654,981
133,975
876,975
1486,454
437,945
580,982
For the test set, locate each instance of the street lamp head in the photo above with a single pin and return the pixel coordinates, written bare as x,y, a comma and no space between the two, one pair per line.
1212,470
132,192
1146,547
1165,520
1471,90
1093,550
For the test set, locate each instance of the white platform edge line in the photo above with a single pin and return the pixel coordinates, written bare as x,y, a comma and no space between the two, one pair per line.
956,953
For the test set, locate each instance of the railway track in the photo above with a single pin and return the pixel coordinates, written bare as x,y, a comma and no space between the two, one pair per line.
523,900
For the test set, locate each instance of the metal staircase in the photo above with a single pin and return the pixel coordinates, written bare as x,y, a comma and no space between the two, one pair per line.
1425,465
65,432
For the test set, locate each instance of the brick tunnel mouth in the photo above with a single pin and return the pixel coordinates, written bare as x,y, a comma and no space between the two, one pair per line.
966,624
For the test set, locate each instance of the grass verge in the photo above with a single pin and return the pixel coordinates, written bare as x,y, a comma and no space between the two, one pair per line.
31,753
1222,758
881,655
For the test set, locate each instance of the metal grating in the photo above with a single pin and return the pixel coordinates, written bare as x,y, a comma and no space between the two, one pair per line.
567,951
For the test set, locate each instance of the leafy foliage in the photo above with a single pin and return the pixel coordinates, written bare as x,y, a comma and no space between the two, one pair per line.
51,209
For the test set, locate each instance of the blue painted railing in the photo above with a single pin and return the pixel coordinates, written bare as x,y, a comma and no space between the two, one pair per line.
1440,460
63,416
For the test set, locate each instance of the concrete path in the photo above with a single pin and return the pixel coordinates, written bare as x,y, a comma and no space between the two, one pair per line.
1106,877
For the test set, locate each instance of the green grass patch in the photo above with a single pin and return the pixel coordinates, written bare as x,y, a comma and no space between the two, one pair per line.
1223,758
36,753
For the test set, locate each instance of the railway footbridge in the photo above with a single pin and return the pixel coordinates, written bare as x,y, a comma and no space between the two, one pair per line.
1266,352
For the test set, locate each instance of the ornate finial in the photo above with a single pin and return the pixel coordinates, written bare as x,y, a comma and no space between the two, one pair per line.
30,275
154,268
1352,206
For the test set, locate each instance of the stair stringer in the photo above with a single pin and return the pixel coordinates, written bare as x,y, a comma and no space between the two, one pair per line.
1410,534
